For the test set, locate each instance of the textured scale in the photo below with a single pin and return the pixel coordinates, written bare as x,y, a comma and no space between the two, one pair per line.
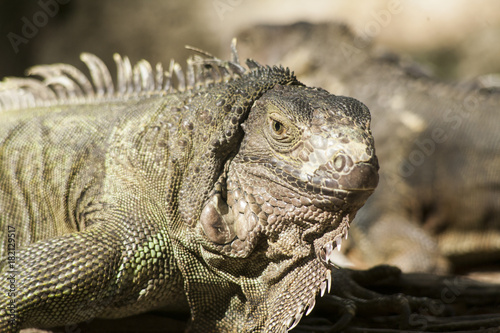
225,185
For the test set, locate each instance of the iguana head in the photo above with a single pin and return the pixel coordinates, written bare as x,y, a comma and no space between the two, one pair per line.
305,165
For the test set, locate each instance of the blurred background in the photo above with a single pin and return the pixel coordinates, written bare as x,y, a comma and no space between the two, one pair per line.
452,38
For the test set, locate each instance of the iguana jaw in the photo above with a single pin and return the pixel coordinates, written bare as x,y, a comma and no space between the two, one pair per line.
266,199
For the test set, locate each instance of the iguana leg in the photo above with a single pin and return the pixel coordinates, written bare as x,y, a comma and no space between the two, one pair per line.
60,279
75,277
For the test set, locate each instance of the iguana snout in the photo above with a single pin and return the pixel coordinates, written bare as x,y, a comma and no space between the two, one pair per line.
339,159
361,176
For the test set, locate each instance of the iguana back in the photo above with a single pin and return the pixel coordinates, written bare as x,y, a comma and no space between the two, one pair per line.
50,157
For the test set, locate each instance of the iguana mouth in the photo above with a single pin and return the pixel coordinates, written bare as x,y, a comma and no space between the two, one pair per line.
324,189
362,176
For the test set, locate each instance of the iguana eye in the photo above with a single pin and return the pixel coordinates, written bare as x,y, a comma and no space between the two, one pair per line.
277,127
281,133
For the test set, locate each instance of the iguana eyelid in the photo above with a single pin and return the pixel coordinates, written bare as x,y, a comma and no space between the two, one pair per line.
281,119
277,127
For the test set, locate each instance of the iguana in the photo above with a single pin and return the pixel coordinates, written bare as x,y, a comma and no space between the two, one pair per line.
221,192
437,206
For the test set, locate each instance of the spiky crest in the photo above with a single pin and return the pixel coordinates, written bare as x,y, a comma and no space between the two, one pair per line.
64,84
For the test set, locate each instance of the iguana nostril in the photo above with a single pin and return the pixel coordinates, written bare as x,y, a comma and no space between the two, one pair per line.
339,162
349,163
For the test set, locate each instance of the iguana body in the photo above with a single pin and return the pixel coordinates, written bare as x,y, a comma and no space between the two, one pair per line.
438,201
223,197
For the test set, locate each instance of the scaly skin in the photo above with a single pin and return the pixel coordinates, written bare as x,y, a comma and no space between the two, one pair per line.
223,199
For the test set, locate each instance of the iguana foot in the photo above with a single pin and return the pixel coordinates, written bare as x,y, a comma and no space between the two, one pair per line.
398,302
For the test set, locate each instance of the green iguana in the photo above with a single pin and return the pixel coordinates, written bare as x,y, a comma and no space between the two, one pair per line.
222,191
